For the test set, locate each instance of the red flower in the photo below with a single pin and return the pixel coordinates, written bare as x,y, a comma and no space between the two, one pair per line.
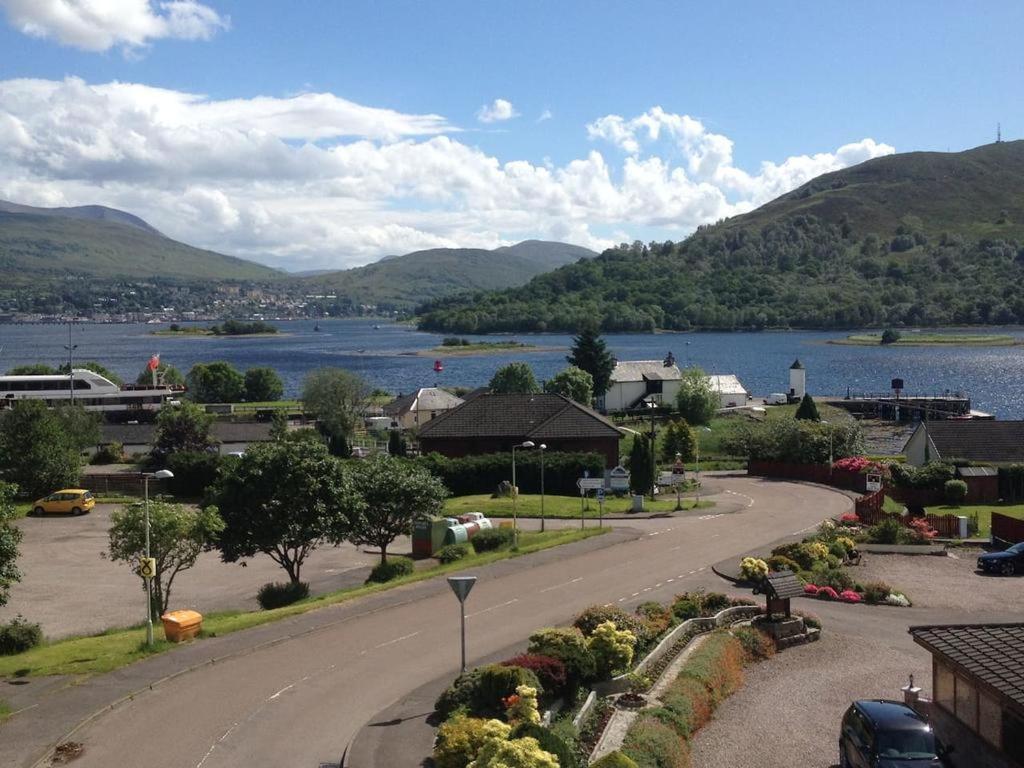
827,593
811,589
849,596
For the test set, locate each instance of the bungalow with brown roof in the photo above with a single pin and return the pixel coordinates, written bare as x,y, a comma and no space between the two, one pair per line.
493,423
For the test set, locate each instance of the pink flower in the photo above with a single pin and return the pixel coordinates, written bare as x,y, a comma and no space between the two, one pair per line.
810,589
849,517
827,593
849,596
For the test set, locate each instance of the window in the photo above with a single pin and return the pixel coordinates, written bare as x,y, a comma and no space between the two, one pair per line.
990,719
966,703
944,686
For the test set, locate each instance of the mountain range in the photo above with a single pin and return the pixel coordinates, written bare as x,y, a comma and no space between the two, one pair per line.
921,238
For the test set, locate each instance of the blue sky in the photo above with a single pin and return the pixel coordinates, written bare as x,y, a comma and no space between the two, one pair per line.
737,84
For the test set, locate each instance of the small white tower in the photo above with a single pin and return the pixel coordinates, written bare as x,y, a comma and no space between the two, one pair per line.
797,380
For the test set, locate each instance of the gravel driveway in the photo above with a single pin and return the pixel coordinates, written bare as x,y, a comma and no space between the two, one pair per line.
788,712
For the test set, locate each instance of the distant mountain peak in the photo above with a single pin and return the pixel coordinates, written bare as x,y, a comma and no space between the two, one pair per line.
86,212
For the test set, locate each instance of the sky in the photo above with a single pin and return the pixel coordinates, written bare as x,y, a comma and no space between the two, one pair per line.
315,134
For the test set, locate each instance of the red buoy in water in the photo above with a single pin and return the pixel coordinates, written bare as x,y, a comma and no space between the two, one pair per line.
438,367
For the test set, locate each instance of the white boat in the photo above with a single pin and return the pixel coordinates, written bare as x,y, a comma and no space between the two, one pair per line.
92,391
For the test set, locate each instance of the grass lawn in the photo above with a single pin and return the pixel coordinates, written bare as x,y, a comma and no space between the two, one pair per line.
931,340
528,505
116,648
983,513
892,507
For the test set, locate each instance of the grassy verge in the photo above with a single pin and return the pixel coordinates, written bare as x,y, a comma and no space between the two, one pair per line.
981,512
96,654
930,340
892,507
5,710
566,507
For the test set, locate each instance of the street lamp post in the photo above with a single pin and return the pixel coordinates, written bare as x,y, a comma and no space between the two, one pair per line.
71,369
679,499
542,449
697,502
160,474
515,493
653,406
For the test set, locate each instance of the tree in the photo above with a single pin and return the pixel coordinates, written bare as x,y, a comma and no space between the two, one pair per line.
396,443
168,374
807,409
679,439
574,383
81,426
36,451
217,382
393,493
278,425
889,336
338,398
178,534
514,378
283,499
10,538
641,464
590,353
92,365
33,369
262,385
182,428
697,401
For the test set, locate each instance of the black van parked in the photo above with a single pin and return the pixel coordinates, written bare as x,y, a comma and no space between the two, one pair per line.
888,734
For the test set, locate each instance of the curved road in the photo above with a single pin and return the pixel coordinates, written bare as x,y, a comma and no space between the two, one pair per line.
299,702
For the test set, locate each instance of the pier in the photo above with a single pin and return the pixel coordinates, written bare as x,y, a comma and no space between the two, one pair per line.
887,406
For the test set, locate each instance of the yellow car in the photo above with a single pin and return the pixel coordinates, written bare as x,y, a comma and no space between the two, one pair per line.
75,501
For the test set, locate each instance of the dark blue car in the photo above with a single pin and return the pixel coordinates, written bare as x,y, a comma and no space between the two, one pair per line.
887,734
1007,562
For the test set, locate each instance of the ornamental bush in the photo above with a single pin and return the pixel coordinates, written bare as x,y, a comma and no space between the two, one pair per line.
876,591
718,664
452,552
549,670
753,569
656,618
782,563
614,760
481,691
277,594
595,615
568,645
521,708
550,742
392,569
826,576
757,645
713,602
685,609
19,635
652,744
513,753
612,649
460,739
690,703
491,539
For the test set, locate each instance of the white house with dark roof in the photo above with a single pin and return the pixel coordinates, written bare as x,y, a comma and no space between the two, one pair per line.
419,407
634,381
983,441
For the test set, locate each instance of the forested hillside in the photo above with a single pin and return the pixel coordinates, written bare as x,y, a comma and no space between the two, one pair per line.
918,239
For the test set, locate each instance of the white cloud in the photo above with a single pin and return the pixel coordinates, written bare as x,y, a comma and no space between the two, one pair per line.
545,115
314,180
98,25
497,111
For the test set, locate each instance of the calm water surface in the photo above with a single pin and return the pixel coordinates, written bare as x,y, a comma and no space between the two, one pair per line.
386,357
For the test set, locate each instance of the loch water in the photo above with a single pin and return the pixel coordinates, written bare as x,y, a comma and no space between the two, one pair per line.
389,356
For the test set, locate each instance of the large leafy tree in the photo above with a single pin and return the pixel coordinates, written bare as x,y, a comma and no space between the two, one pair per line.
10,538
178,534
339,399
696,400
262,384
37,452
217,382
574,383
182,428
514,378
283,499
590,353
393,494
33,369
81,426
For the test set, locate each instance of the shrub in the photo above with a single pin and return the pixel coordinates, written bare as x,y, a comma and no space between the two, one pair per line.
612,649
513,753
491,539
713,602
955,492
482,473
803,554
690,702
827,576
522,708
460,739
481,691
827,593
277,594
111,453
837,550
656,618
595,615
614,760
549,670
899,599
888,531
549,742
18,635
849,596
718,664
652,744
782,563
568,645
452,552
922,530
684,608
194,472
753,569
876,592
757,645
392,569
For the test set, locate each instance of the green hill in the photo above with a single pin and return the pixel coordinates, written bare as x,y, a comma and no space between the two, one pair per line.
404,281
922,238
44,243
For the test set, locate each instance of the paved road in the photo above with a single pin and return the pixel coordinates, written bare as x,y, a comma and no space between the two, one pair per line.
299,702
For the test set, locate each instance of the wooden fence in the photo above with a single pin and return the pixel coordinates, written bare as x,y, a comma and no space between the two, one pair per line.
128,484
1007,528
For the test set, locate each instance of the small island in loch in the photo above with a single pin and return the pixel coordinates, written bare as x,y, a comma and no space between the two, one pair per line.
891,338
227,328
456,346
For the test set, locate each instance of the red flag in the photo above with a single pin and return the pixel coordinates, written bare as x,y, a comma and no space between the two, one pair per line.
154,363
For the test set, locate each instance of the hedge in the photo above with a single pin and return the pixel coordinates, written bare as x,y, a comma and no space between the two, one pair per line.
483,473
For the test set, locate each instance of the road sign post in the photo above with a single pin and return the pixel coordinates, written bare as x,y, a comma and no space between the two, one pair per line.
600,507
461,586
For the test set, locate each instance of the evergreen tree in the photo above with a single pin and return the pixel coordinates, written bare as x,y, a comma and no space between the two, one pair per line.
590,353
641,460
679,439
396,443
808,409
